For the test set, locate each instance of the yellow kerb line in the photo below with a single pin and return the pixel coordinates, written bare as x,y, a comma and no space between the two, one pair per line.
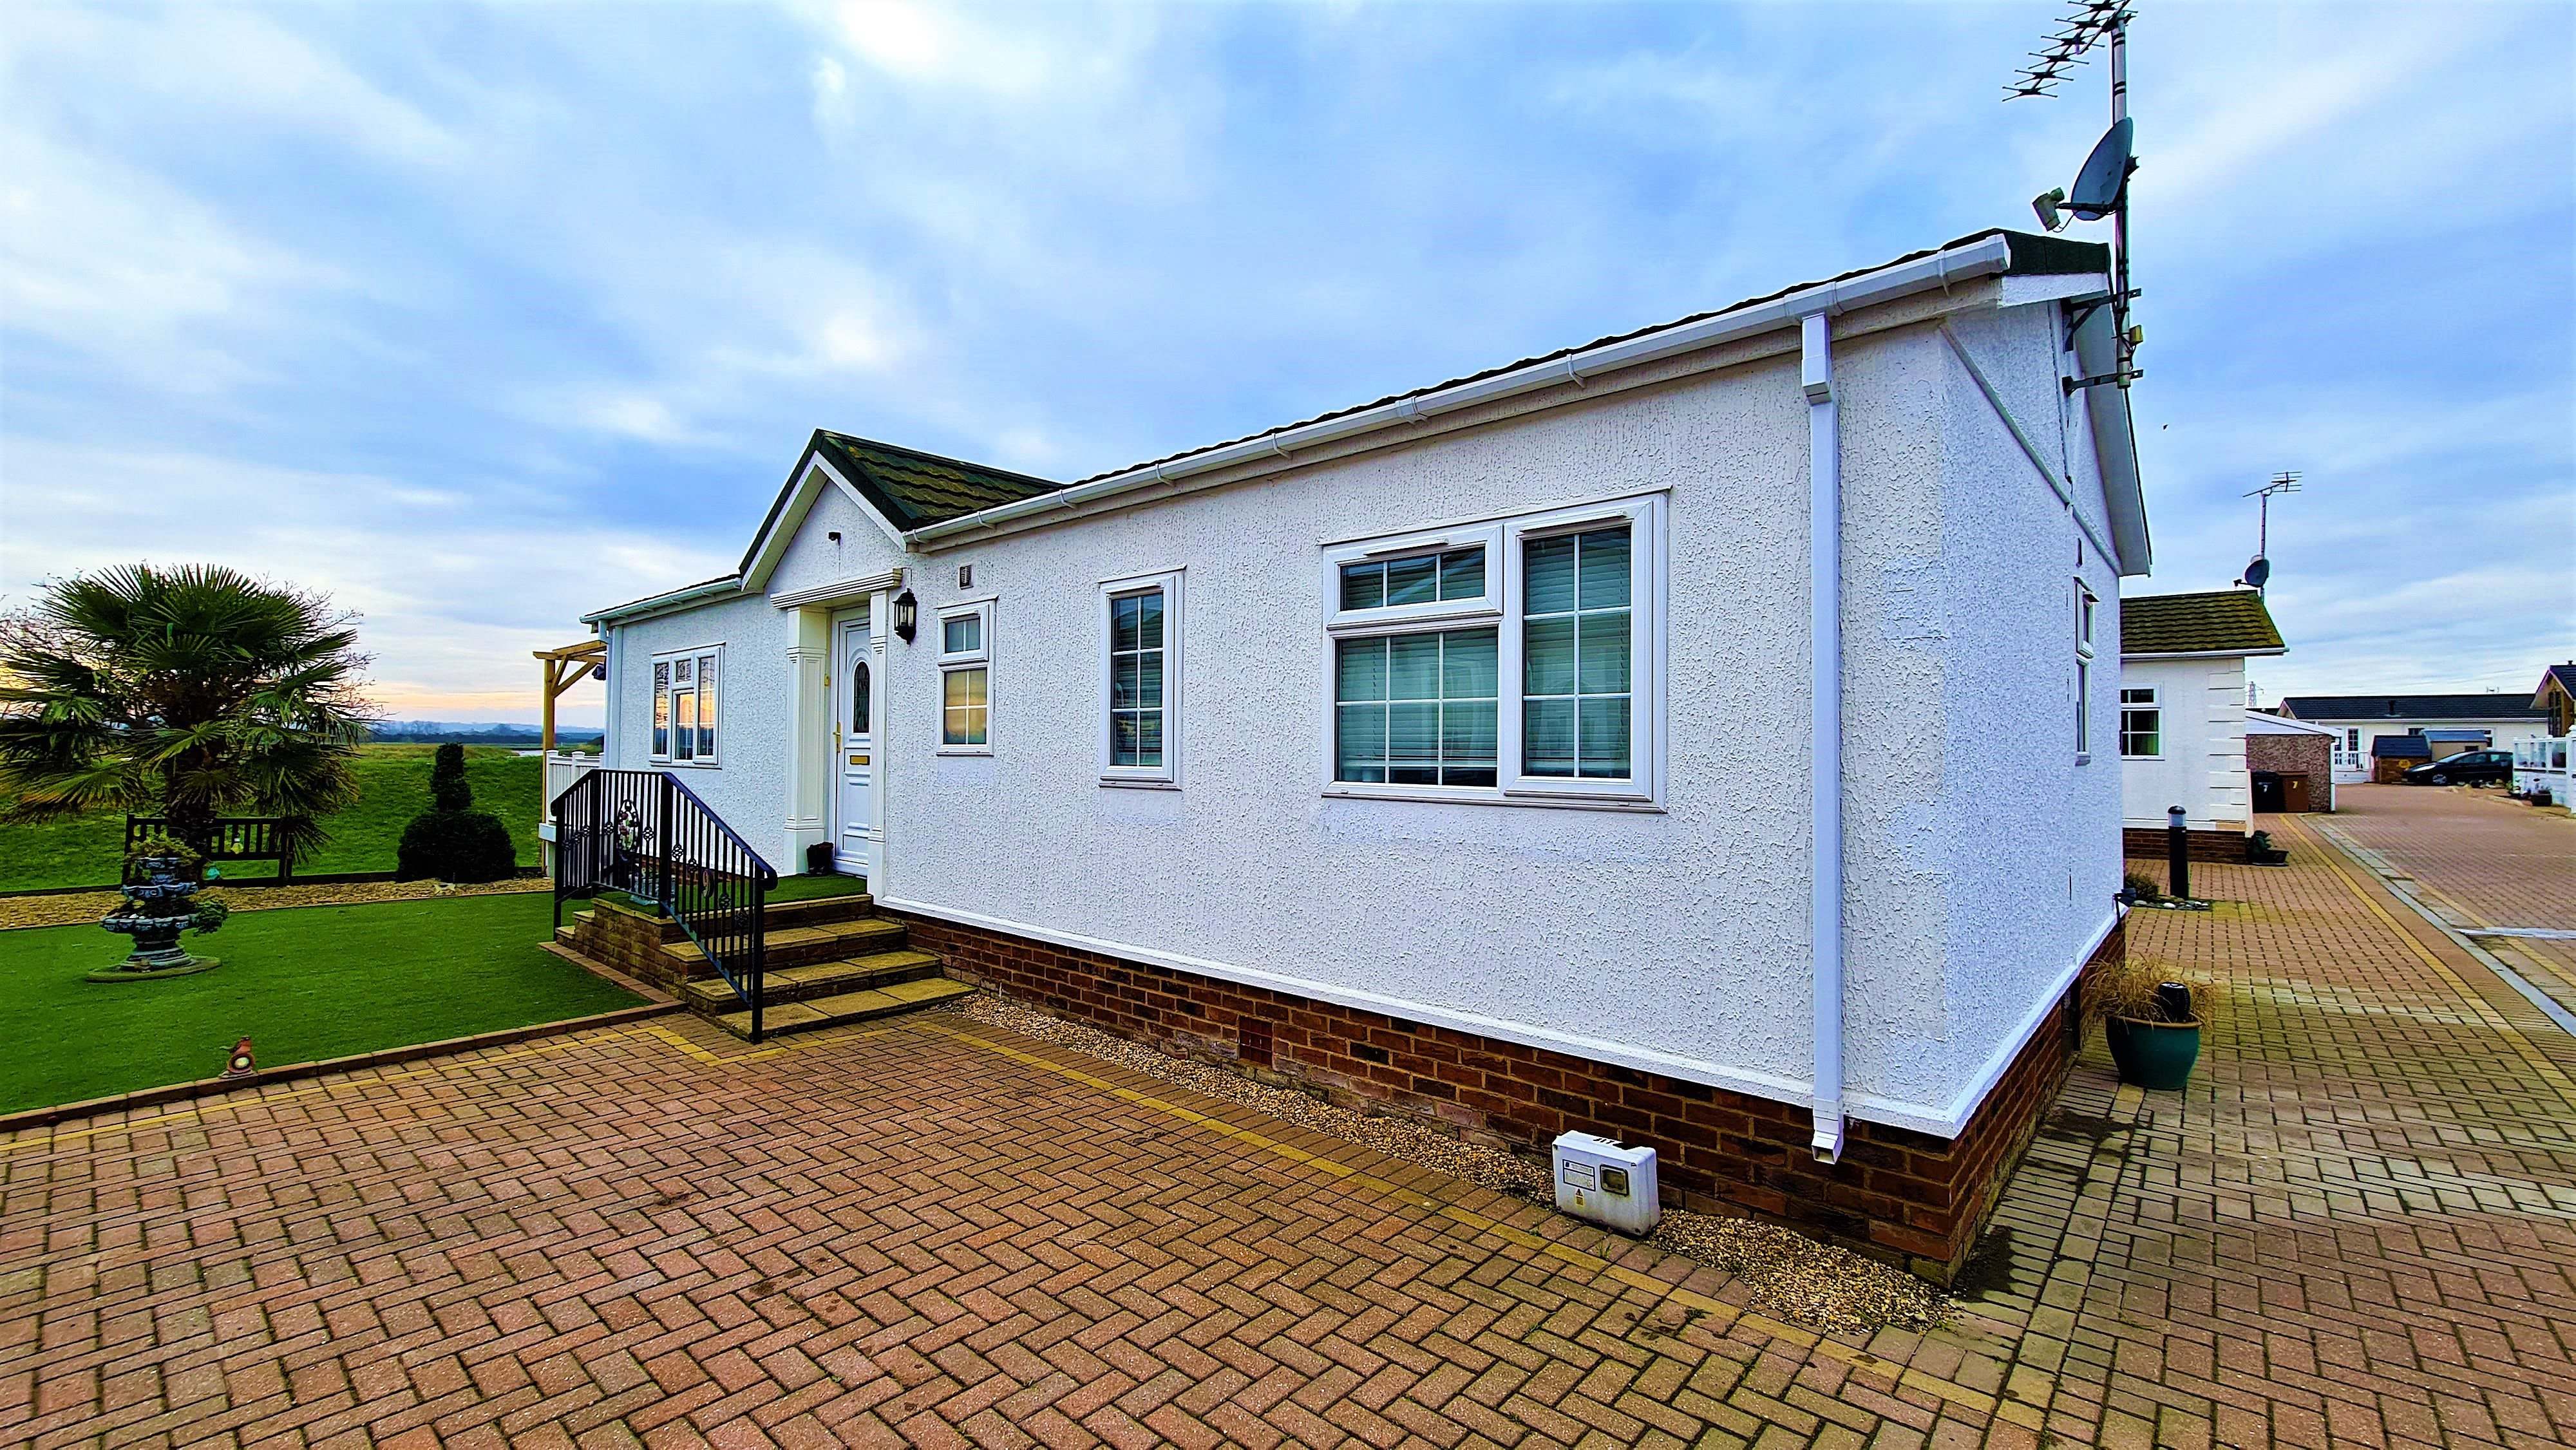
1718,1309
2513,1036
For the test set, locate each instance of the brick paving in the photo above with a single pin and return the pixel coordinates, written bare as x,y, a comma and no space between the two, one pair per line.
2478,858
2357,1226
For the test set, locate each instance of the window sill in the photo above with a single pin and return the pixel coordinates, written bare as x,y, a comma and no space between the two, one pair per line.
2083,757
685,764
1477,796
1137,782
965,750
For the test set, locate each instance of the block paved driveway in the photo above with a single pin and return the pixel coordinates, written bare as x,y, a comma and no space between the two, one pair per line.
930,1233
2355,1227
2480,860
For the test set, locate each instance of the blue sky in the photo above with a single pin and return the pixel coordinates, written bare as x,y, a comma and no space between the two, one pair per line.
483,317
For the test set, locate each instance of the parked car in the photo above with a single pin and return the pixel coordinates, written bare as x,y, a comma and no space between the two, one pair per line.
2469,767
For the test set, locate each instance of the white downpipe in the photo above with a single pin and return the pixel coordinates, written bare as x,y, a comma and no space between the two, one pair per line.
1825,651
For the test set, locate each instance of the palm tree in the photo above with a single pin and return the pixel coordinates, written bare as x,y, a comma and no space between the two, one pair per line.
182,692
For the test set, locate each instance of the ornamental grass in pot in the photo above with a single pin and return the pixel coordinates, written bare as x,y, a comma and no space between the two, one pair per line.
2150,1016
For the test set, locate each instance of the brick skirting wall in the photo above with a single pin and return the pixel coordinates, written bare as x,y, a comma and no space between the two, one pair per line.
2147,843
627,939
1908,1198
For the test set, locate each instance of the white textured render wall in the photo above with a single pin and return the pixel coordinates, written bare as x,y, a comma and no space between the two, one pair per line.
1681,932
748,786
2202,766
2029,836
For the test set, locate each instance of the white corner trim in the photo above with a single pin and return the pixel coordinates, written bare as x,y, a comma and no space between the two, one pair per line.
1644,1059
1949,1122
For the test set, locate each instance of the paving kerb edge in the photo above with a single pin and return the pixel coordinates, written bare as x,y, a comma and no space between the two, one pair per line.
2379,866
207,1087
2005,1407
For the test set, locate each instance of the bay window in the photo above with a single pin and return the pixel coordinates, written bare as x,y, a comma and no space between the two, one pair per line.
1513,660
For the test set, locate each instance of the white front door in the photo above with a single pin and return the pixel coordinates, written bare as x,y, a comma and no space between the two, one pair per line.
854,824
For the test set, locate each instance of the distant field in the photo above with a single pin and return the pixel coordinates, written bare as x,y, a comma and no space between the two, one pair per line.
393,784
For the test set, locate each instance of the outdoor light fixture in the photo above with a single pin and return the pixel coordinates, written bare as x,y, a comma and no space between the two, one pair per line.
907,615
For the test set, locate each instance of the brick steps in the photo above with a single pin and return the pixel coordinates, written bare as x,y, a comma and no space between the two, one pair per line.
818,979
846,1007
826,960
798,946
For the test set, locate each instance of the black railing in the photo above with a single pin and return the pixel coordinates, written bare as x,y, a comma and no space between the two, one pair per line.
222,838
643,833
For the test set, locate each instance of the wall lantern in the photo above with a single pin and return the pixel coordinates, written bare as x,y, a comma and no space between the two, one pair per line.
907,615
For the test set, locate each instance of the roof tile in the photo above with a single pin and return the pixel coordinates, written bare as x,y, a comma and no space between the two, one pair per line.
2219,620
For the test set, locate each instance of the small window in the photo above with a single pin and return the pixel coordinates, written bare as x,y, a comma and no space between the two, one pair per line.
685,705
1453,574
2085,607
965,677
1140,637
2142,727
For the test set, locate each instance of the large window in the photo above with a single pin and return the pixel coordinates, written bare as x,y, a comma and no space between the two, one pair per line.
684,705
2142,724
1512,660
965,678
1140,633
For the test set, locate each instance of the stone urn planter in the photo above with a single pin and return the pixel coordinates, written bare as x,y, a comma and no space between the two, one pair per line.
158,907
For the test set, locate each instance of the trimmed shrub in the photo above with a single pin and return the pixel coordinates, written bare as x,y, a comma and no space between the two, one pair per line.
452,841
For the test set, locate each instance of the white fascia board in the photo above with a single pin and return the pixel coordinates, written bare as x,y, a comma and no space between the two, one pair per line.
813,472
2264,722
671,603
1981,258
2206,654
2023,289
2115,446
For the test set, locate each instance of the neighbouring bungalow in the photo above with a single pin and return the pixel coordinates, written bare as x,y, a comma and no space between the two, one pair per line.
1704,736
2182,717
2384,736
2556,698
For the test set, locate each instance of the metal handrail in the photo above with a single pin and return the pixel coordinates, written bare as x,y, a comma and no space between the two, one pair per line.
645,833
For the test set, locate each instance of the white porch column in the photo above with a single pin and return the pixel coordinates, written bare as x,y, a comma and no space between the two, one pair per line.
809,730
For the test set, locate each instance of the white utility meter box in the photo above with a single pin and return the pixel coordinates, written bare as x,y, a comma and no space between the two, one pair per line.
1607,1183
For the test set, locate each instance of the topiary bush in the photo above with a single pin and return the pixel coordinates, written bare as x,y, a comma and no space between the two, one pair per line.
452,841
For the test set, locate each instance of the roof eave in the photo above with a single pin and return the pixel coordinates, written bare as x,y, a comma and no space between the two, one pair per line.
2204,654
1981,257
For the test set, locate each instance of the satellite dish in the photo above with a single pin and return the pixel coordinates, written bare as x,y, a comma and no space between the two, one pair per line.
2257,573
2104,180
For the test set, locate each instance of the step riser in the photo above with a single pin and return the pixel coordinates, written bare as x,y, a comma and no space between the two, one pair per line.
776,992
739,1023
780,955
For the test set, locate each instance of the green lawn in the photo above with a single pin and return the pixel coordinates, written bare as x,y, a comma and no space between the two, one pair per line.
393,784
303,984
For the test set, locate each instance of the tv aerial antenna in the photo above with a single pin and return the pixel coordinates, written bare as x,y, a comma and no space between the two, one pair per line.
2102,187
2260,570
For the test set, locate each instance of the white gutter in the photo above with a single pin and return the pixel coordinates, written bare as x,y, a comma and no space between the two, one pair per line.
1984,257
664,603
1825,656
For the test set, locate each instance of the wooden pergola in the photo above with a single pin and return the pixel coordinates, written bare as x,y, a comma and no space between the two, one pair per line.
565,668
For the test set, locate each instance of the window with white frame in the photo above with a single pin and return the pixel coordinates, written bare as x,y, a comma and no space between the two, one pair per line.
684,704
2085,608
1511,660
2142,723
1140,725
965,677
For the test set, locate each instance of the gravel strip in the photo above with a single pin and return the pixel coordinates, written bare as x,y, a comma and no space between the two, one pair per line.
1789,1274
87,907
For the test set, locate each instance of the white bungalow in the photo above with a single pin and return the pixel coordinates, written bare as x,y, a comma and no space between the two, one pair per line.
1705,736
